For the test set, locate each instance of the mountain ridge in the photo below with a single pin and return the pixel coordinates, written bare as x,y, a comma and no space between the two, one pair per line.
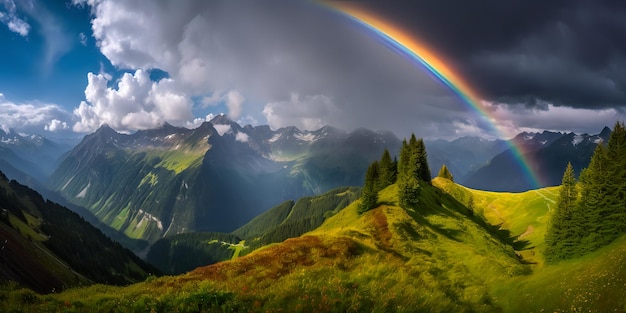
172,180
547,153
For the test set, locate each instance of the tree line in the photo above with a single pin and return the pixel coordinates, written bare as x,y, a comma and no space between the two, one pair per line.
591,212
408,173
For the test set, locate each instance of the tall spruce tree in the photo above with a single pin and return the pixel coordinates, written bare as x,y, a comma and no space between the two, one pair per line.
445,173
408,174
369,194
387,171
598,230
403,163
424,169
616,189
560,236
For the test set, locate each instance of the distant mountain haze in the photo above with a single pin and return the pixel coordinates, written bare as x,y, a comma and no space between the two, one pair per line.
549,153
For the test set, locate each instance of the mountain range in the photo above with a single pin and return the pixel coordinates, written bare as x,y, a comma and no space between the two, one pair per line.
216,177
547,153
154,183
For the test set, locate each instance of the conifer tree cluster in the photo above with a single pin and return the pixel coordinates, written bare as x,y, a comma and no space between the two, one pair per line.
409,172
445,173
592,213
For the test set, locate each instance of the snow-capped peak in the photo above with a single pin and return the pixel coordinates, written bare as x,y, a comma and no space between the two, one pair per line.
308,137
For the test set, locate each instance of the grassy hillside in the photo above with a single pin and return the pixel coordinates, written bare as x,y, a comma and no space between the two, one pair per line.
440,257
524,215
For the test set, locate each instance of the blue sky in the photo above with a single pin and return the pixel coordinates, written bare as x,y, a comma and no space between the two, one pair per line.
67,67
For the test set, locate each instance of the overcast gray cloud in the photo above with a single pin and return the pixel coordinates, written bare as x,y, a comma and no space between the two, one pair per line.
298,63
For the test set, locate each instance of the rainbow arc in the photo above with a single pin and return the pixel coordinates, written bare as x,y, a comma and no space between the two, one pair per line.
419,53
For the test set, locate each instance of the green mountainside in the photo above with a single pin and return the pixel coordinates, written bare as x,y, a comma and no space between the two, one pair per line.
457,250
49,248
184,252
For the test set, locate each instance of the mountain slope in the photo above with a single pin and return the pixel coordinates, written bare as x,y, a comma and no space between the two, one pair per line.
47,247
548,154
170,180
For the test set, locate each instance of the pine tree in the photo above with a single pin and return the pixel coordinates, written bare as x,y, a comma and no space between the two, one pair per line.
408,175
413,140
403,163
424,169
616,155
445,173
369,195
560,238
387,171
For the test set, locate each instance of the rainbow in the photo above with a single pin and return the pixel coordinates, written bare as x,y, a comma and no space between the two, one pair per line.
407,46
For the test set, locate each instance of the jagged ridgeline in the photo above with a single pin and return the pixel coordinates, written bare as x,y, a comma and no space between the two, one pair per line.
215,178
48,248
592,213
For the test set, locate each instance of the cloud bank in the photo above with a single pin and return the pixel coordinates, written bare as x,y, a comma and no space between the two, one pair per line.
276,61
32,117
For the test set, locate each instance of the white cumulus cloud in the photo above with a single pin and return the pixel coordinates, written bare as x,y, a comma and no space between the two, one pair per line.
56,125
241,137
137,103
33,117
222,129
234,100
9,17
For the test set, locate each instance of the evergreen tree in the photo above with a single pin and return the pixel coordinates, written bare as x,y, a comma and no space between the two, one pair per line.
387,171
413,140
424,169
560,235
599,230
445,173
369,195
403,163
408,175
616,155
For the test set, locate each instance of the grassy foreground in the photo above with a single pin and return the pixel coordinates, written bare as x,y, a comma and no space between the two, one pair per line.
439,257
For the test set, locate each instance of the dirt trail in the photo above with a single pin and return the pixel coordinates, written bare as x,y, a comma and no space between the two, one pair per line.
529,230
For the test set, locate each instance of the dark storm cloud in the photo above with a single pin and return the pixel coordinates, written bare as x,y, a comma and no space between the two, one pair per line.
568,53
